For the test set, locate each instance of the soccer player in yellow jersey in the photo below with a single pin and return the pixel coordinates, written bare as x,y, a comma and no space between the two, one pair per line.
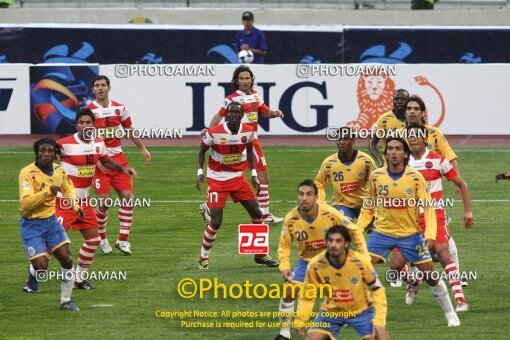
395,193
39,184
351,277
392,120
307,224
437,143
348,172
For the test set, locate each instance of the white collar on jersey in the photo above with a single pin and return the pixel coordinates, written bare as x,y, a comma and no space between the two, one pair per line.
230,132
411,158
76,138
241,93
101,106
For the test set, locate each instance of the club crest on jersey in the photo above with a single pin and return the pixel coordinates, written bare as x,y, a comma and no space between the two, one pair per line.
283,230
409,191
326,280
26,185
223,140
31,251
244,139
428,165
361,175
354,280
429,146
117,112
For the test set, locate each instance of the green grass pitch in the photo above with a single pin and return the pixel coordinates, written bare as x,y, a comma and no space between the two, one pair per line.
166,239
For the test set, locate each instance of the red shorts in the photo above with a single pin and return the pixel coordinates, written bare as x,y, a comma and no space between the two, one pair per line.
68,218
259,157
218,191
443,235
102,182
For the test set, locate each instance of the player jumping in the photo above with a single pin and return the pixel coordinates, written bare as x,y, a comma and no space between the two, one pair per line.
397,224
231,148
351,277
253,105
347,171
111,116
80,155
307,224
39,184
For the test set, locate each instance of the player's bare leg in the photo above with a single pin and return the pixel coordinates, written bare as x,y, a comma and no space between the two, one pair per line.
252,206
263,199
440,292
317,336
125,220
210,236
286,310
63,255
102,219
452,272
86,257
398,263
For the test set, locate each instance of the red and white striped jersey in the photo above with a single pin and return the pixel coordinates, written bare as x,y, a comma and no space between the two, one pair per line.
79,161
253,104
433,167
108,120
227,153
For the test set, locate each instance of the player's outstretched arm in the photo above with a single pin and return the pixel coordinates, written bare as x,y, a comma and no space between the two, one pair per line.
467,219
284,250
320,182
200,165
372,146
110,164
251,160
274,114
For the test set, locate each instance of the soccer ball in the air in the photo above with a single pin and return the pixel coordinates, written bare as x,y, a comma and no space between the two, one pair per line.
246,57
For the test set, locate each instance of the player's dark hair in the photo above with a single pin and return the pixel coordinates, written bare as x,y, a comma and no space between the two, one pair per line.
338,229
234,103
49,141
85,112
101,77
235,77
406,147
420,127
401,91
309,183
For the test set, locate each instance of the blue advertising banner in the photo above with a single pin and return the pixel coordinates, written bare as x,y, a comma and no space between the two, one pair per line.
426,45
56,93
158,46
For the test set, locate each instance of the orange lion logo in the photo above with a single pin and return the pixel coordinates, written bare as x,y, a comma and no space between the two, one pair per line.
375,97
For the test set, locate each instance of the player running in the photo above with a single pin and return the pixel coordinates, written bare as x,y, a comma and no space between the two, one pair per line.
433,167
306,224
39,184
348,171
80,155
231,145
111,116
393,189
351,277
253,105
392,120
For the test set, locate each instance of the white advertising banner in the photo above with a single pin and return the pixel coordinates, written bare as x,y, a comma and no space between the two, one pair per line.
460,99
14,99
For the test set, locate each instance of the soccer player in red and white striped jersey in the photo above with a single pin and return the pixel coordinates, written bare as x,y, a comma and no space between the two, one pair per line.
79,158
253,105
111,116
231,148
434,167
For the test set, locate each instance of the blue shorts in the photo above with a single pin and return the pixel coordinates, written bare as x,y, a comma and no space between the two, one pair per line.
362,323
41,233
351,213
299,271
412,247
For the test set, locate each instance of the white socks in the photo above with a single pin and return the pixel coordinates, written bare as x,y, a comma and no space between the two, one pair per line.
286,321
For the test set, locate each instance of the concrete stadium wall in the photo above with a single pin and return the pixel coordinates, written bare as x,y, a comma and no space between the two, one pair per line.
275,16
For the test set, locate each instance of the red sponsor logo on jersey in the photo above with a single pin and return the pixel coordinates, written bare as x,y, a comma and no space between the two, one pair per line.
253,239
348,187
429,165
244,139
315,244
343,295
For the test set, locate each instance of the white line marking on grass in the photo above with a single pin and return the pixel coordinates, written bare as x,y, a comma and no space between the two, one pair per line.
101,305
